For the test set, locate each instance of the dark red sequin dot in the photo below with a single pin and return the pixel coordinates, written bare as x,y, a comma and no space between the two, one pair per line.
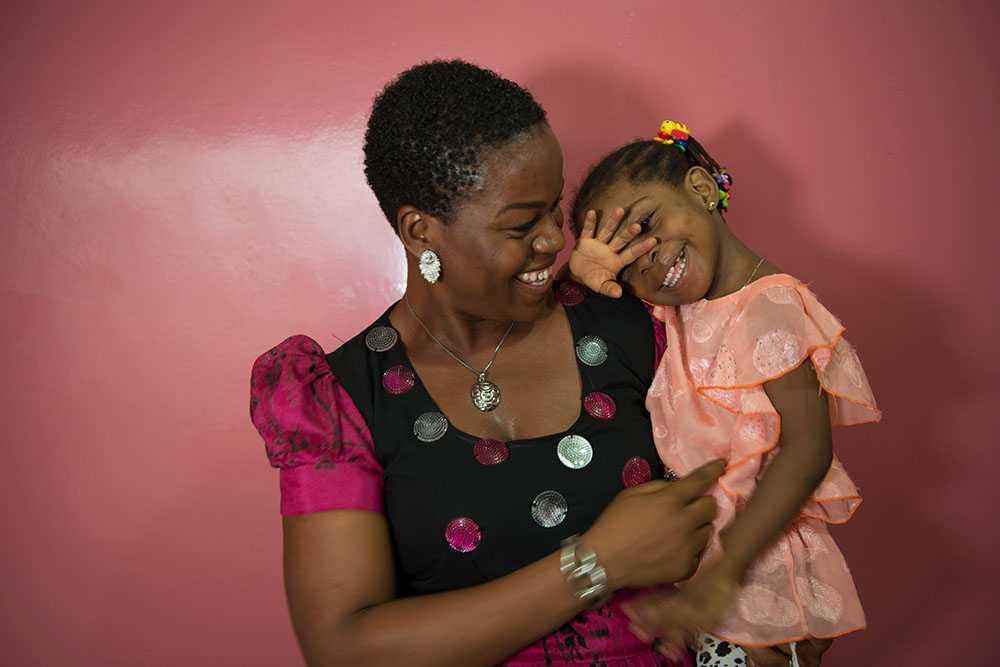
599,405
490,451
398,379
463,534
571,293
636,472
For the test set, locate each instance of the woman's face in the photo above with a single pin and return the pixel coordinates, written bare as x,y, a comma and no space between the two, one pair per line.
683,266
497,254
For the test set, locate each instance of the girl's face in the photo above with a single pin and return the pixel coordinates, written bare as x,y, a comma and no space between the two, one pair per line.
497,254
684,265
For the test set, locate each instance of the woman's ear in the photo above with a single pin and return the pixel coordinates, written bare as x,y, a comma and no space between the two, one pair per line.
701,183
415,229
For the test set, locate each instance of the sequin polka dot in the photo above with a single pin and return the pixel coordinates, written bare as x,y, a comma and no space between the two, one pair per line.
574,451
430,426
380,339
490,451
599,405
636,472
776,352
398,380
548,509
463,534
669,475
571,293
592,350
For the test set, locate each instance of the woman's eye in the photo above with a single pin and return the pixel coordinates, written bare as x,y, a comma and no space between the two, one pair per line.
556,205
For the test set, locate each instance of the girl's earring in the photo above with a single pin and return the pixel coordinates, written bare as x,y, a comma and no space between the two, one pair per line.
430,266
711,206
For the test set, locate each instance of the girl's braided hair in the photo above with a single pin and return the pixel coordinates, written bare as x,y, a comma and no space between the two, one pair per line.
644,161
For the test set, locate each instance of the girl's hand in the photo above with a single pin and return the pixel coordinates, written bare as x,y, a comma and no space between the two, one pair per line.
674,618
810,652
600,254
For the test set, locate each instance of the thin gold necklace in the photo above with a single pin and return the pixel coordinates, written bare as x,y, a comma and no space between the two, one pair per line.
485,394
751,275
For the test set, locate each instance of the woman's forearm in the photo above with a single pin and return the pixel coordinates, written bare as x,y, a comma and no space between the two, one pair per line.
480,625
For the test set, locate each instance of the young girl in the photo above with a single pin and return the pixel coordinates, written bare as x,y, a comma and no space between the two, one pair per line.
755,371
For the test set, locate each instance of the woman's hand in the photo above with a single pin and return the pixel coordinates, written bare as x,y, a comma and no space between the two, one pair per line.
654,533
600,254
810,652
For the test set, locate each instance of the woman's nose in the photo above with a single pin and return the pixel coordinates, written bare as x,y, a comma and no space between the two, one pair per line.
551,239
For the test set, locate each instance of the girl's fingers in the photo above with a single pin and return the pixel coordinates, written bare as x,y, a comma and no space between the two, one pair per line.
589,225
636,250
611,288
625,234
608,227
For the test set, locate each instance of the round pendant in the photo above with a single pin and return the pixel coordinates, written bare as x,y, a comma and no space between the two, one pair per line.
485,394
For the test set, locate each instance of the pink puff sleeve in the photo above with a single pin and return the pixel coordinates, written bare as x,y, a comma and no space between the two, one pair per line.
313,432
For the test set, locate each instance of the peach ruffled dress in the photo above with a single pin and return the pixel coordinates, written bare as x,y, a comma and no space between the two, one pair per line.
707,401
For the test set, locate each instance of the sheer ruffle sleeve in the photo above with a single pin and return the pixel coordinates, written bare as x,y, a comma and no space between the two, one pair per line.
313,433
724,351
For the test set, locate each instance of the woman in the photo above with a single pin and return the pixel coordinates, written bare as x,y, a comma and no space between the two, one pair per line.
436,468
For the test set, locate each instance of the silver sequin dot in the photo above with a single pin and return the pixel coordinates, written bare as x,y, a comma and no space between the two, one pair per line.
574,451
380,339
592,350
548,509
430,426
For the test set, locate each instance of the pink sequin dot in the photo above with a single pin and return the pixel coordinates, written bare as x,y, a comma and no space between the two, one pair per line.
398,379
599,405
490,451
636,471
571,293
463,534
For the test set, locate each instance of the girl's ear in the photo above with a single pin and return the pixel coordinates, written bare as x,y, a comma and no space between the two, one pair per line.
701,183
416,229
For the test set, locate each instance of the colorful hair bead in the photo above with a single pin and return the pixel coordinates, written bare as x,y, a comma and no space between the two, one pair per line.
679,135
673,133
725,182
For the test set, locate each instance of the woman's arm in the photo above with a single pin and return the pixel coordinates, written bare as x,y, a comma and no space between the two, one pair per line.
339,578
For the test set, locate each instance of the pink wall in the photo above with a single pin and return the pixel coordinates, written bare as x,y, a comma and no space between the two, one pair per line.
181,188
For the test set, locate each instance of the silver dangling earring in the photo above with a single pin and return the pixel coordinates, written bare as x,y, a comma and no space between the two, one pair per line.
430,266
711,205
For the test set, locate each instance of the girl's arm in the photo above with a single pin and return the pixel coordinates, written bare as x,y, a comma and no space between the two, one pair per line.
340,582
805,452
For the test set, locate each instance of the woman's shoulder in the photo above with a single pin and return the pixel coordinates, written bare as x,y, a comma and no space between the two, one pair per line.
298,405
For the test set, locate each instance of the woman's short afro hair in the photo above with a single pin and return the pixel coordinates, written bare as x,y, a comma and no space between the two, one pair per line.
428,128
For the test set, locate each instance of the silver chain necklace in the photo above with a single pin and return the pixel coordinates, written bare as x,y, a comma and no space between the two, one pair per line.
485,394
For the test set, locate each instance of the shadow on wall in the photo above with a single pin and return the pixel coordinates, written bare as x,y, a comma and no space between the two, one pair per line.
898,536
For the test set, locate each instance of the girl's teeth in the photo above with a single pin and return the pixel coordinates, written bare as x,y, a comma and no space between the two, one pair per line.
675,271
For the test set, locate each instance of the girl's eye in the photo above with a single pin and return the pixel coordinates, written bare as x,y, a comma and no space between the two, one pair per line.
645,222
